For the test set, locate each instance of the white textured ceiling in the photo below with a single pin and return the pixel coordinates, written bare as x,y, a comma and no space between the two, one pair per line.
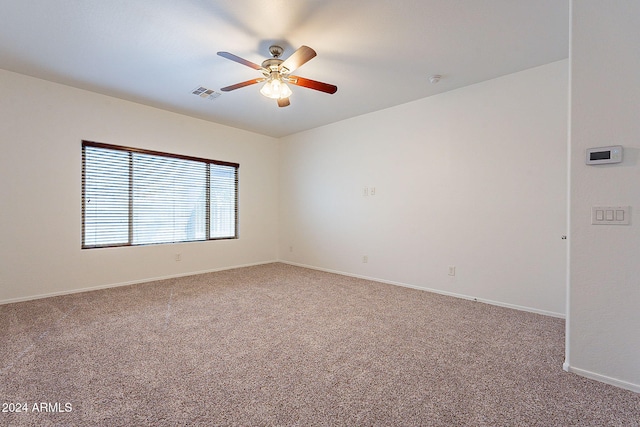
379,53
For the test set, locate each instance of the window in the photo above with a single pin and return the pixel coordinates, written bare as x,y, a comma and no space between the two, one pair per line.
140,197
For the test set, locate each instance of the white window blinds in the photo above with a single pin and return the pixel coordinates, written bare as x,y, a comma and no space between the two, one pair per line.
138,197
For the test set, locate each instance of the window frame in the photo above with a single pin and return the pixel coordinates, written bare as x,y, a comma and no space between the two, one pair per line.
133,150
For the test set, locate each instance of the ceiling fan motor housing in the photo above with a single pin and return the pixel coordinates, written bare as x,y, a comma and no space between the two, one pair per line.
272,64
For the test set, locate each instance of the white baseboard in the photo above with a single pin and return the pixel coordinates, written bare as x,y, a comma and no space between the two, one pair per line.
437,291
133,282
193,273
602,378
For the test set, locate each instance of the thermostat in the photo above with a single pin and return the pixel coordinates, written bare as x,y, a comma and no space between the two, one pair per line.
601,155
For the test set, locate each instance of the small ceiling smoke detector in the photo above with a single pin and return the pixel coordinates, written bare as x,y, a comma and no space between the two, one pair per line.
435,78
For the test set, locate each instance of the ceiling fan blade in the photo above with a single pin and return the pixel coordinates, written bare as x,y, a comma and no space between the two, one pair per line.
239,60
312,84
283,102
297,59
243,84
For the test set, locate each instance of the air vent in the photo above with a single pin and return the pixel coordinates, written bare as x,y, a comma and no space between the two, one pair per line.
205,93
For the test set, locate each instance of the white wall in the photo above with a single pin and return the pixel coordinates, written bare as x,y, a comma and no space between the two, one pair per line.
474,178
41,128
604,294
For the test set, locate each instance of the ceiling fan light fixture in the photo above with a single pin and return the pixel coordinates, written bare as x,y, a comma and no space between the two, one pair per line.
275,88
277,73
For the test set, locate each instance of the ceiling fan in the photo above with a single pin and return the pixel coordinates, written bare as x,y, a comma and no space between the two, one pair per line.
277,73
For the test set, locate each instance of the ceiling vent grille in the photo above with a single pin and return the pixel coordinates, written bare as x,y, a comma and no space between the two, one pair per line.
205,93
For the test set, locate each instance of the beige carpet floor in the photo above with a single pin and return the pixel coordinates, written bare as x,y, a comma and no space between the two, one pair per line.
287,346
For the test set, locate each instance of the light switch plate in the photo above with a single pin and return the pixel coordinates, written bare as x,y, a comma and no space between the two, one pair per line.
610,215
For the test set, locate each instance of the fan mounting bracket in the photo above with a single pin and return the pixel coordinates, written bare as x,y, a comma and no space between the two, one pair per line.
276,51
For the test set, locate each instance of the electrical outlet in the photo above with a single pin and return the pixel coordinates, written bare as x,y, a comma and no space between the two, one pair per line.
290,248
452,270
365,259
178,257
